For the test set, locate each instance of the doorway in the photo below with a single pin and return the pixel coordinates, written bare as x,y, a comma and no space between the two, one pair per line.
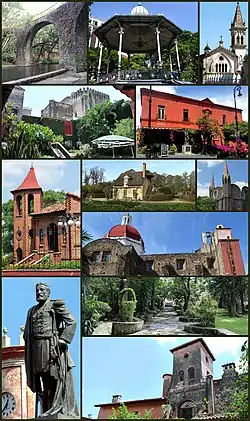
19,254
52,235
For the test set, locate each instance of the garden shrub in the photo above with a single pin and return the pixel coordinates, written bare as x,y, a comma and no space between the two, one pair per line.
127,307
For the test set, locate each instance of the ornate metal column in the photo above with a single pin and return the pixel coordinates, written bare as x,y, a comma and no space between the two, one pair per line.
177,55
121,32
157,31
99,63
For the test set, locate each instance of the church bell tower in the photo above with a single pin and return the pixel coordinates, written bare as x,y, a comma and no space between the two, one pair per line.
28,198
238,35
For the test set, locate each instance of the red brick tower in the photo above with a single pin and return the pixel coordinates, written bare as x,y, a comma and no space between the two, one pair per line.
229,252
28,198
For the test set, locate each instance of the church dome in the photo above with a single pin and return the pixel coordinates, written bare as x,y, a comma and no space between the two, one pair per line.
139,11
124,231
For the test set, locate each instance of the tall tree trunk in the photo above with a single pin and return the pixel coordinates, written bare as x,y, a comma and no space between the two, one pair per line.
233,311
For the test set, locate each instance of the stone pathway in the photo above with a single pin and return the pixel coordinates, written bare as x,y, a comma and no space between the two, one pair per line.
165,323
67,78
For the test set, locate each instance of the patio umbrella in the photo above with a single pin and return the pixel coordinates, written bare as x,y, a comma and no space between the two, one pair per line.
114,141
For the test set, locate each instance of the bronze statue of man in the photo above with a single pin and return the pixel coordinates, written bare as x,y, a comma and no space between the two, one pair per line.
49,328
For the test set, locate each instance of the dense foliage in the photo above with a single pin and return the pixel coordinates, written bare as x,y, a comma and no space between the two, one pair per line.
204,203
122,413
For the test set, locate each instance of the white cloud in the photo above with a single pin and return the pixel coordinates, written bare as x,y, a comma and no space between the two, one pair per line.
202,189
229,102
241,184
49,172
210,162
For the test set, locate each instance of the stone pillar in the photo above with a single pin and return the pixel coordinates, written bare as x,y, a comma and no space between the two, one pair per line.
99,63
210,394
158,46
121,32
5,338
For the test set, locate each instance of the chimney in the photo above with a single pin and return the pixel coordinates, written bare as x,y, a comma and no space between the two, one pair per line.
5,338
144,169
21,342
116,398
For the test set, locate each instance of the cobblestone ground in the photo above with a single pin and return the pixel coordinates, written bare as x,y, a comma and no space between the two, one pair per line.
67,78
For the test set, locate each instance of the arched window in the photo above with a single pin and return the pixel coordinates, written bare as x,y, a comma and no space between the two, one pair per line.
181,375
242,40
30,203
41,236
225,67
219,67
238,39
19,204
222,67
191,373
216,67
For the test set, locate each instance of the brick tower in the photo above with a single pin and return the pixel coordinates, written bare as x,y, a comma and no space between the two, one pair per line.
28,198
228,252
18,402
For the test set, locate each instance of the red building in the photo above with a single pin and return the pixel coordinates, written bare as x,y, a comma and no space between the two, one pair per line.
160,110
44,233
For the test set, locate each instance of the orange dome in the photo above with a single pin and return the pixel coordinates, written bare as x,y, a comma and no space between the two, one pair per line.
124,231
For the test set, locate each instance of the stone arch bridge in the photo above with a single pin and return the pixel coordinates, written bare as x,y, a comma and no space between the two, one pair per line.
71,22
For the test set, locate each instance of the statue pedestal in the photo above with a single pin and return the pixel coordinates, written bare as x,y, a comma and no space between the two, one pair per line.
187,149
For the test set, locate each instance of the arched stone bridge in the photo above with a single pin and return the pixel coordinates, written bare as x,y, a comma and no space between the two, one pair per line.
71,22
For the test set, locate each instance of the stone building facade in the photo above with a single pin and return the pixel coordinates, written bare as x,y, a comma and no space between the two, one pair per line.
229,197
44,232
122,253
133,185
190,390
75,105
221,65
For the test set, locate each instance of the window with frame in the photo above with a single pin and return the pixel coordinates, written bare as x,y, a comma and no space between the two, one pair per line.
181,376
149,265
41,236
161,112
224,118
185,115
191,373
106,256
180,264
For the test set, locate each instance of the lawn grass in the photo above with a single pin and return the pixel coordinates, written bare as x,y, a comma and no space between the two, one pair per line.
102,206
237,325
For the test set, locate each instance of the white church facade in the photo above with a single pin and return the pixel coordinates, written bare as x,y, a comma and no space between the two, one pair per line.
227,66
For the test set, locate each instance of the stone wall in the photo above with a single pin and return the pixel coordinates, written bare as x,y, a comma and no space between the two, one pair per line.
16,99
224,389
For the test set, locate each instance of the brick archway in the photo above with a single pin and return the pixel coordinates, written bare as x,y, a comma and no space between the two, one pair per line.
186,409
71,22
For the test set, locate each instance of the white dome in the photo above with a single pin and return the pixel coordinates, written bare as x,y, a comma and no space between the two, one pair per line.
139,11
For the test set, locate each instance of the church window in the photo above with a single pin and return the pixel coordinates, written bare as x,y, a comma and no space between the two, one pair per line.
221,58
149,265
161,112
41,236
186,355
19,202
219,68
222,67
181,375
242,40
106,256
30,203
238,39
224,117
180,264
191,375
225,67
210,264
185,115
216,67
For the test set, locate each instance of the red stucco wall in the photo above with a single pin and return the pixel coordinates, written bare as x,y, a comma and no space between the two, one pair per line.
154,406
237,257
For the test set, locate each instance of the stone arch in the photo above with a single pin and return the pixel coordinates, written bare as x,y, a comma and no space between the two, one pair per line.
186,409
71,22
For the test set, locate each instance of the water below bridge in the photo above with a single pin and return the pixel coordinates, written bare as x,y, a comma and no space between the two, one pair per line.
19,72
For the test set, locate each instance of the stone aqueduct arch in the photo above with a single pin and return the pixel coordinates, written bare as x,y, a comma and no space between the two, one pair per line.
71,22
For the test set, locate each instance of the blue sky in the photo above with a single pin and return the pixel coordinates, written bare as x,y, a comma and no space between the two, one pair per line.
18,295
172,232
218,94
184,14
215,21
238,171
172,167
133,367
51,175
58,93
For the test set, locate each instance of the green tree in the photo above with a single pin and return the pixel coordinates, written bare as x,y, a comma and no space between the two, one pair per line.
45,42
122,413
205,203
208,127
239,404
229,131
125,128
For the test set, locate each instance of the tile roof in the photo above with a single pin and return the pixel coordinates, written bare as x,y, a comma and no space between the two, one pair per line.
57,207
